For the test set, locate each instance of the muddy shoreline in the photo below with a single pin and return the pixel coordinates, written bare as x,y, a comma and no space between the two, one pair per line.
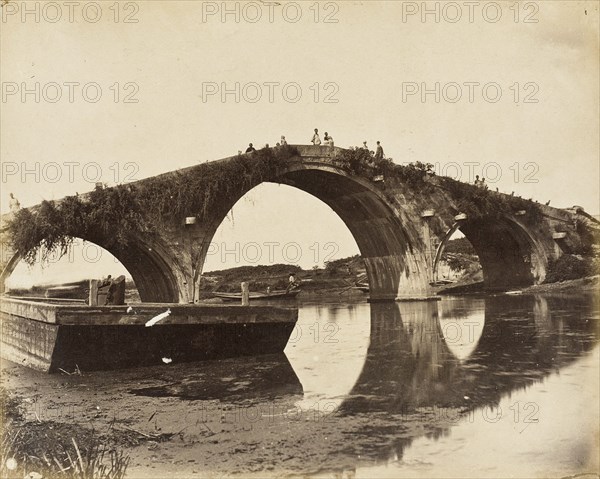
240,434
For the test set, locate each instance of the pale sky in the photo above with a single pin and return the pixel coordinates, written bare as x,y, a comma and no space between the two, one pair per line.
370,62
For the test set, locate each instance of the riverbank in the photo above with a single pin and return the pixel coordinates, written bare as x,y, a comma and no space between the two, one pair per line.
581,285
590,283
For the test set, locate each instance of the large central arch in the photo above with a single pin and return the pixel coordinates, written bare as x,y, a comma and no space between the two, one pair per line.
388,244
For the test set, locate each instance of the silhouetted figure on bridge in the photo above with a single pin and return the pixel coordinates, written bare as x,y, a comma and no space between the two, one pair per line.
105,282
477,181
283,141
316,140
102,297
328,140
14,204
379,152
250,148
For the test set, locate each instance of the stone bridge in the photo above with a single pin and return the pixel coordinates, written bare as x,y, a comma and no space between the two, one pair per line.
400,228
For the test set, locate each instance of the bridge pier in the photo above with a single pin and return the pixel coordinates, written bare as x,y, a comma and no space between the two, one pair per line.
399,278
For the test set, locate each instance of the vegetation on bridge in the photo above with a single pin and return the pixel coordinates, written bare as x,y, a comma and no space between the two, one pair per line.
200,190
569,267
361,162
113,217
478,202
419,178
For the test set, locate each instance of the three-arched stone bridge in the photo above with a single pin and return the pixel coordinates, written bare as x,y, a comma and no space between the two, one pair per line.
400,229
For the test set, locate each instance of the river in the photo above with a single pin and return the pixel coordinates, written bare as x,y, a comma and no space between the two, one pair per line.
493,386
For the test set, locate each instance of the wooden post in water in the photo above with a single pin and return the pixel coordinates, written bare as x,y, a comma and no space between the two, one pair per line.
93,298
245,294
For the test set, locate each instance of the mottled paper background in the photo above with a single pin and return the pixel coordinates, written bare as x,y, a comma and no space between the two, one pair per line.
354,64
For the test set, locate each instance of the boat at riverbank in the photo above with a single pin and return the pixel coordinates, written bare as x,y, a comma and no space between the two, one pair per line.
258,296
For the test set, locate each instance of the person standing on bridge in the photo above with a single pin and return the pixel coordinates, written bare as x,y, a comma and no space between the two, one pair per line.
328,140
379,152
283,141
477,181
316,140
250,148
14,204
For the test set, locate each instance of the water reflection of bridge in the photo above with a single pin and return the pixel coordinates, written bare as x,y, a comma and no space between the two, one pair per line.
410,366
415,381
463,354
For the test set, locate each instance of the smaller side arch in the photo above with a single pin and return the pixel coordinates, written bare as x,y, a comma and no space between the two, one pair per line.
153,277
442,246
509,254
12,263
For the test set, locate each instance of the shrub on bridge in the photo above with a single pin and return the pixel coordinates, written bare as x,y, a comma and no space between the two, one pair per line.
480,203
200,191
568,267
40,231
419,178
361,162
113,217
110,216
357,161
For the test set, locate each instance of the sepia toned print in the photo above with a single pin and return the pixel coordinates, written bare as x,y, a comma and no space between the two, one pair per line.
299,239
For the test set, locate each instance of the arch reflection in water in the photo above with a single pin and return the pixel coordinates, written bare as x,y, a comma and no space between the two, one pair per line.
410,372
461,324
409,362
396,381
327,350
407,365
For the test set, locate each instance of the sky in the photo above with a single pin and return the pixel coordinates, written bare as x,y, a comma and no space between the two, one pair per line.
506,90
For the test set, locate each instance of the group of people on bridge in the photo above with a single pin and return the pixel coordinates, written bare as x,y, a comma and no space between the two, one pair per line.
480,183
316,140
251,149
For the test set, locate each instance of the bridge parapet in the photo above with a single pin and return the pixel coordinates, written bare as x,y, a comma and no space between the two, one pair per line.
319,152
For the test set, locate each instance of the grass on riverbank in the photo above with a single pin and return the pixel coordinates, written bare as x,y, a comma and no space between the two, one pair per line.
50,449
